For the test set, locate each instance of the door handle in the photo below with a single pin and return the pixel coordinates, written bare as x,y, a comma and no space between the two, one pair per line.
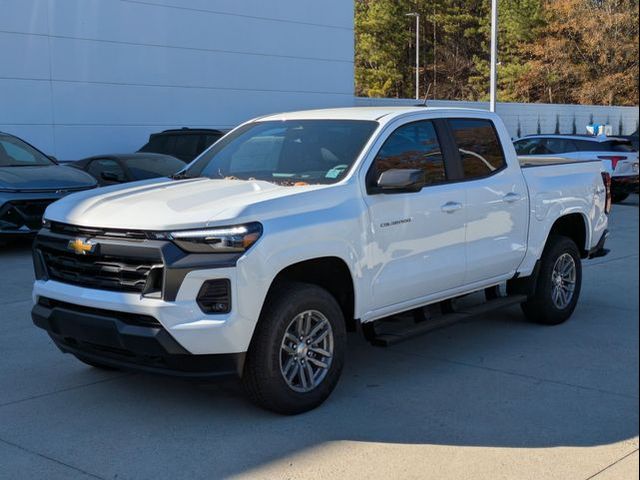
451,207
512,197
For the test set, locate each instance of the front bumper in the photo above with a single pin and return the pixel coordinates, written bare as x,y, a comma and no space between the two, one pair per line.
112,278
21,212
125,341
625,184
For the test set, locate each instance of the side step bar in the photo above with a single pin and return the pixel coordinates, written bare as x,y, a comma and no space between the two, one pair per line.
391,337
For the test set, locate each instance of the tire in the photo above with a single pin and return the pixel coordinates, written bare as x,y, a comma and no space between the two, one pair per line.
270,354
619,197
95,364
542,307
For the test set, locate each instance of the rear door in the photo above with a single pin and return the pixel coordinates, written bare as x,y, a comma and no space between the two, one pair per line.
418,238
497,200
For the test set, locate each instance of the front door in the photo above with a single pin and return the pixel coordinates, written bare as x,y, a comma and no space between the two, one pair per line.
418,238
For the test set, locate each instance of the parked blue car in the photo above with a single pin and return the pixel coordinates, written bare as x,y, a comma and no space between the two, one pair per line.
29,182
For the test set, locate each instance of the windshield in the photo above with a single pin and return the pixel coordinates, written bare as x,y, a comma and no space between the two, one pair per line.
288,152
16,153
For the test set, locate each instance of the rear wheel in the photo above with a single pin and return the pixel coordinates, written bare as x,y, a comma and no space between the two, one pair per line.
619,197
297,351
558,283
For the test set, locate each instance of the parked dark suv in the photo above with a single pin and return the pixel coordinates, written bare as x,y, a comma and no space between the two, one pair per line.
183,143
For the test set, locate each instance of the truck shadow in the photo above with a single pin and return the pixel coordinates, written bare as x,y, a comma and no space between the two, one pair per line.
464,386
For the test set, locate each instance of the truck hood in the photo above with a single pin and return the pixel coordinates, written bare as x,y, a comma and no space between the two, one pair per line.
169,204
53,177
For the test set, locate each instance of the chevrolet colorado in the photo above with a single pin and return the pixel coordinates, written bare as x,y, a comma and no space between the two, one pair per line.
295,228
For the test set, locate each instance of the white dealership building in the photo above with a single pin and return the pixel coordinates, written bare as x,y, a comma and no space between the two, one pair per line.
82,77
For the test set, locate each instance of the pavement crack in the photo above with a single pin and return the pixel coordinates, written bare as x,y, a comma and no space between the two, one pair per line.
55,392
611,465
51,459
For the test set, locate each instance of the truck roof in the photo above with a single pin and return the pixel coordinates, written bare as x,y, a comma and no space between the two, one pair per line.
359,113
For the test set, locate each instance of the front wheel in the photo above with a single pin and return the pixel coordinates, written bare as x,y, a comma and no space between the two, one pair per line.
558,284
297,351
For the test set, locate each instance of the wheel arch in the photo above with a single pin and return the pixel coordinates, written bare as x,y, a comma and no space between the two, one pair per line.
574,226
331,273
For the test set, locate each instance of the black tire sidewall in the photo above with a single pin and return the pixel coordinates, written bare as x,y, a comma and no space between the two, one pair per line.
262,369
541,308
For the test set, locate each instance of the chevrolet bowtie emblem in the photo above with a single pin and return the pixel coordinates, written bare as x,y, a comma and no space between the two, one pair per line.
81,246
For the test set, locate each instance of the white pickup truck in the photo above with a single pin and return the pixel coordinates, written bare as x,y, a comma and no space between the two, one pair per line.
295,228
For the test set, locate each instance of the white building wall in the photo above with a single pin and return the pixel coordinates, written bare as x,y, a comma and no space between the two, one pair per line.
530,118
82,77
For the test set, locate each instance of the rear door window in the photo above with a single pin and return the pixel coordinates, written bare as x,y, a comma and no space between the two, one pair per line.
479,147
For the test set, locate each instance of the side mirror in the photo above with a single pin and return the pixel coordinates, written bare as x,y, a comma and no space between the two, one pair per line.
52,158
401,180
110,177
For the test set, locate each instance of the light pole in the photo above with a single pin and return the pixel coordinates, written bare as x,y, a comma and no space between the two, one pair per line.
494,55
417,15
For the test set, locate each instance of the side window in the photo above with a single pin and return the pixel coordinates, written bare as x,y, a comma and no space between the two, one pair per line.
560,145
530,146
479,147
588,146
105,165
413,146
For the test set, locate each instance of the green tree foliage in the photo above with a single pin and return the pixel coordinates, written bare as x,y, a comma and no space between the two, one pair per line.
561,51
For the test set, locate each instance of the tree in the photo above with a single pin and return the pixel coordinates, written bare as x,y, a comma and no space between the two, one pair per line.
587,52
556,51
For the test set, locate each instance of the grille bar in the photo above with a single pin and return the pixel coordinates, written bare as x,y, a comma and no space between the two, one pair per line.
100,271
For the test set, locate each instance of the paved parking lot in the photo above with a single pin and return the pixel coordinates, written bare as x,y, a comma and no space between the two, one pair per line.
493,398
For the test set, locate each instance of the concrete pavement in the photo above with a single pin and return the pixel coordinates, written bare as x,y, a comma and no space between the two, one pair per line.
493,398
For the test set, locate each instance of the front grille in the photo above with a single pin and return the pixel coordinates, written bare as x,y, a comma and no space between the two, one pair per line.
23,215
103,272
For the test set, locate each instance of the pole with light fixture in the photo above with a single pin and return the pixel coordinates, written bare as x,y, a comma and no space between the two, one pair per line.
494,55
417,15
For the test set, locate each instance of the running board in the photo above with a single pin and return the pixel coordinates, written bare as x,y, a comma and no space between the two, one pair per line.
384,339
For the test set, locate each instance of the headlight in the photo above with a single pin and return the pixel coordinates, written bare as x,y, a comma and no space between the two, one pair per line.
46,223
238,238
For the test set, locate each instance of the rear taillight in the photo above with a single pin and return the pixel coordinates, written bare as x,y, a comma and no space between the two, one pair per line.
606,179
613,158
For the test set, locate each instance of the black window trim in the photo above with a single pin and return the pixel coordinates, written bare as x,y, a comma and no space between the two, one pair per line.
441,137
455,154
